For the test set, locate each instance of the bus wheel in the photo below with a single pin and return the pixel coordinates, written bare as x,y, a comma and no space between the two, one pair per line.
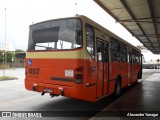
117,89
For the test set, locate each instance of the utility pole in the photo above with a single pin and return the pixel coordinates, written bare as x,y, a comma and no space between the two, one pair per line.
4,54
3,65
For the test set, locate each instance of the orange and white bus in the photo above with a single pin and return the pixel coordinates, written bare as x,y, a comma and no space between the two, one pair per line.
76,57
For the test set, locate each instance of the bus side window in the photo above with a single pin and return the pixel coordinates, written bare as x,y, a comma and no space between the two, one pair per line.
115,50
129,57
99,52
133,56
137,58
90,40
123,52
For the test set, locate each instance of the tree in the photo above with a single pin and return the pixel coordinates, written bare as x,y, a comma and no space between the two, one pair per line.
19,50
10,56
1,55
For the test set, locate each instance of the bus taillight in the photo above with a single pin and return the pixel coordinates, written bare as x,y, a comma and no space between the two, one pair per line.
78,75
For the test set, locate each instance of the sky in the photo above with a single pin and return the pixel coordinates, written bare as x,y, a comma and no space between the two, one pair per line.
20,14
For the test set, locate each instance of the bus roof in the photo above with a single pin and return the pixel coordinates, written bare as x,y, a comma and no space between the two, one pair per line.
96,26
107,32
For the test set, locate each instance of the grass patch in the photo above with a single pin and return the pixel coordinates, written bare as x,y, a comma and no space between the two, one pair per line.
7,78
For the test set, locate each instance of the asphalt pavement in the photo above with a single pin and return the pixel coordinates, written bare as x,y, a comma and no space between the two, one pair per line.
142,102
14,97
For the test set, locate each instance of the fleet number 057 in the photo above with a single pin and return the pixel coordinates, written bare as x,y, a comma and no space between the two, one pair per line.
34,71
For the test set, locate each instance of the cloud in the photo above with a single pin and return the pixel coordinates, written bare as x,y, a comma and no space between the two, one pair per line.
21,14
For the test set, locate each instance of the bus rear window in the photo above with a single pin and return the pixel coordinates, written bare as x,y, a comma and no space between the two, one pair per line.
46,35
56,35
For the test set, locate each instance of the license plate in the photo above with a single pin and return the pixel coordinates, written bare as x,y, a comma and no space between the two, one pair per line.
48,90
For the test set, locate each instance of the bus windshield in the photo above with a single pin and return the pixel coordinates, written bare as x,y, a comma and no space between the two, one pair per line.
56,35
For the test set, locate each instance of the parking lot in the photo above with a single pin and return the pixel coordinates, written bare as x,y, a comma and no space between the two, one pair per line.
14,97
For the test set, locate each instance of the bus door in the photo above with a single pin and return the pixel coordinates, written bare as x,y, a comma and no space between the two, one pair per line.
102,68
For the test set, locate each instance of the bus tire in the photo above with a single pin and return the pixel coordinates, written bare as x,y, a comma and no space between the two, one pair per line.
117,89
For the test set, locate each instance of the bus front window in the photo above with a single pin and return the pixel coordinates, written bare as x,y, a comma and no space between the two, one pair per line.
56,35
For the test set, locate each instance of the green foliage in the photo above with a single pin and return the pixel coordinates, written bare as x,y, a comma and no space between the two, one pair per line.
10,55
7,78
1,55
19,50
